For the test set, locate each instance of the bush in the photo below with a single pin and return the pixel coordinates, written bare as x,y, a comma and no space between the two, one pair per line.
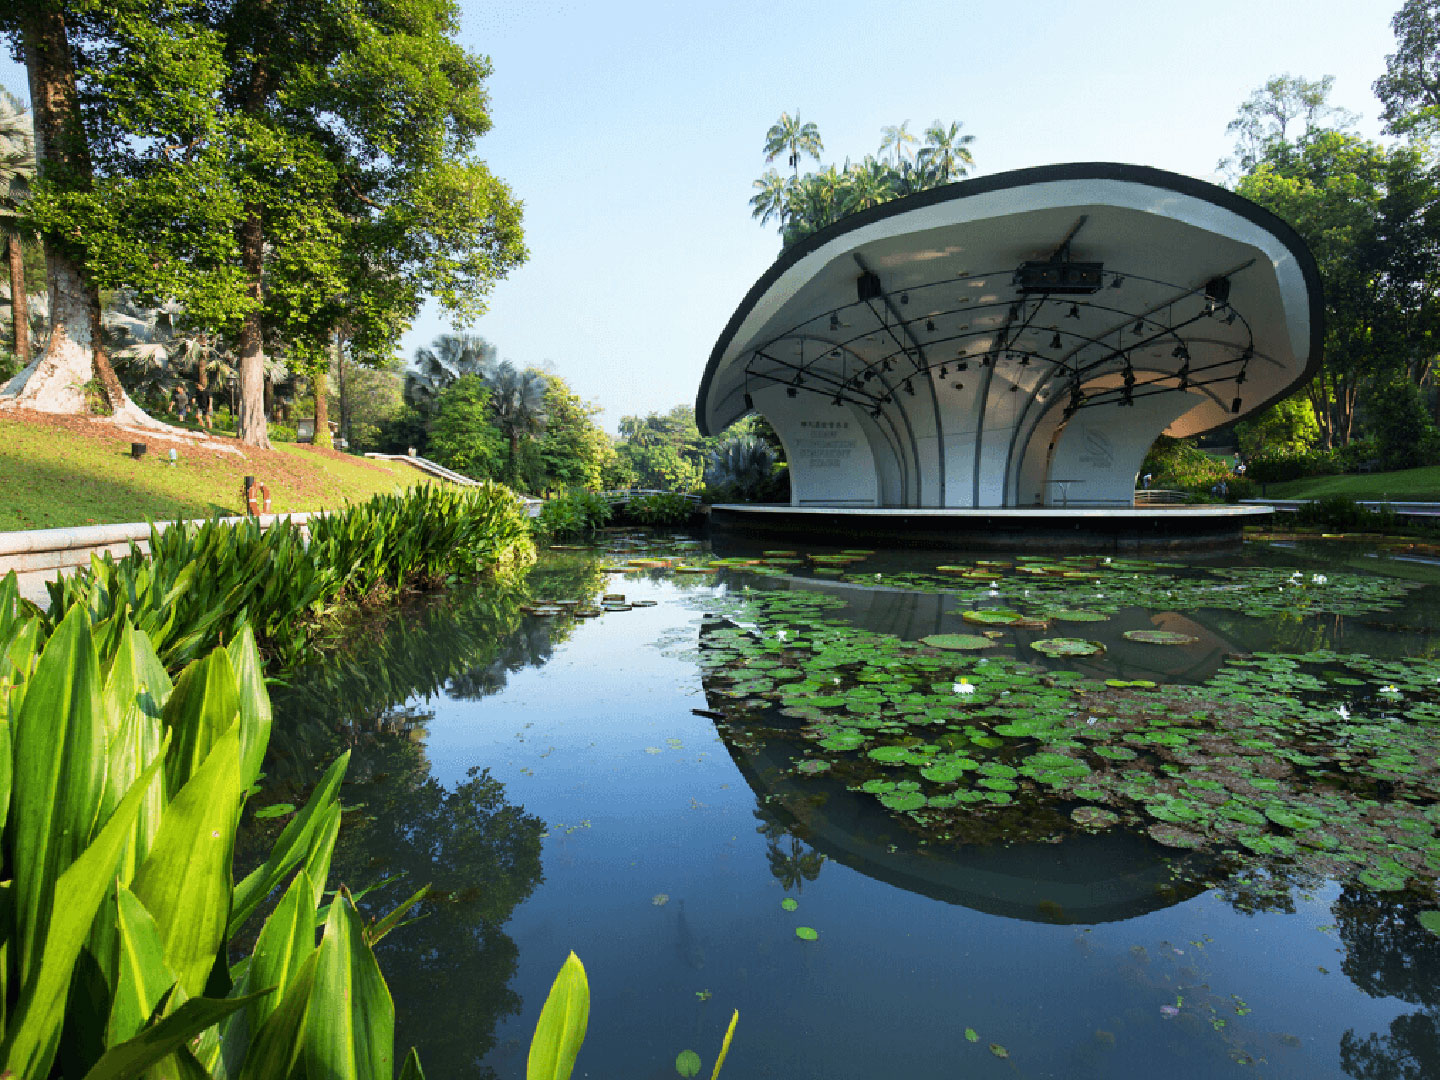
1343,512
281,432
741,469
571,516
1405,436
666,508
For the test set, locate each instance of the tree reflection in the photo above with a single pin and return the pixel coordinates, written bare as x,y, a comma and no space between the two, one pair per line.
1389,954
792,861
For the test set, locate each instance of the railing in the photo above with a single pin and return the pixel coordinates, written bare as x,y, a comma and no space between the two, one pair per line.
639,493
1157,496
434,468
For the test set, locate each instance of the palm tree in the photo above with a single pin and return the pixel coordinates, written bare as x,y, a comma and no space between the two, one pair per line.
870,184
17,167
898,140
790,134
517,398
770,198
946,154
451,356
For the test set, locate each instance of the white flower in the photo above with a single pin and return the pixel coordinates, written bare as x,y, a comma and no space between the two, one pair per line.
1106,560
964,687
780,634
1091,719
877,577
1318,579
993,592
1343,713
835,681
1390,691
994,584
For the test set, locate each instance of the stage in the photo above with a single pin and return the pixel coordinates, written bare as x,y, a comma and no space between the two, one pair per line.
1106,530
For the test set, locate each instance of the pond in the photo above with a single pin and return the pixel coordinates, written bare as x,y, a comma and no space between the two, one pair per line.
1114,818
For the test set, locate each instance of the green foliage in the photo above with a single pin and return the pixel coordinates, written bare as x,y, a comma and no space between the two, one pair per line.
1179,463
574,451
665,508
1285,428
1405,435
123,791
1343,512
462,436
741,468
572,516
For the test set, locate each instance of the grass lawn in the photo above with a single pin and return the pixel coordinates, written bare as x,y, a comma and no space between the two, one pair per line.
62,471
1405,485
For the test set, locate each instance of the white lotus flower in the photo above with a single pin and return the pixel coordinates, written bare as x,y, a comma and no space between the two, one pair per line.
964,687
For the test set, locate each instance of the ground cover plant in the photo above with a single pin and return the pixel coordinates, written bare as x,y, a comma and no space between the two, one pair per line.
1316,761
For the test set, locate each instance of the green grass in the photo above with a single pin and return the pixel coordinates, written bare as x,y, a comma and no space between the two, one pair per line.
64,472
1405,485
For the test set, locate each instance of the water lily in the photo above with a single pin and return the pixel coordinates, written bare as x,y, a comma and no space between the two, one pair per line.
994,592
1169,1011
1343,713
1318,579
1106,560
780,634
1390,690
1091,719
877,577
964,687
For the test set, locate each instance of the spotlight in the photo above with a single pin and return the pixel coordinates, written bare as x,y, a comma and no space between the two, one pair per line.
1240,378
943,371
875,412
1014,388
835,354
1074,312
1139,326
869,374
1014,314
790,391
749,401
1180,352
904,298
1025,360
1185,377
909,389
838,400
959,386
1235,405
929,326
962,366
1116,281
887,365
1231,317
834,323
1055,341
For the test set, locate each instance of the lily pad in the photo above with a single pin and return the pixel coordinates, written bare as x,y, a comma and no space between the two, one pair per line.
1161,637
1062,646
1093,817
687,1063
1430,920
789,903
1077,615
1176,837
805,933
992,617
813,766
958,642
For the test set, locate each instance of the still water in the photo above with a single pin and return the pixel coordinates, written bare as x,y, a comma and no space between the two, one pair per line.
564,784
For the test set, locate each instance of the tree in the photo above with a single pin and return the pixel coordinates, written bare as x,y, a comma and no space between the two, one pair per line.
1287,427
463,436
946,154
897,139
449,357
790,136
1410,88
575,452
17,167
1262,124
517,402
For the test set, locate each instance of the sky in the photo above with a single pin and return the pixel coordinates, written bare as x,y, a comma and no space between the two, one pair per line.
632,133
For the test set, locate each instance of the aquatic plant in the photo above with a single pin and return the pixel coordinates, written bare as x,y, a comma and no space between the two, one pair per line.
572,515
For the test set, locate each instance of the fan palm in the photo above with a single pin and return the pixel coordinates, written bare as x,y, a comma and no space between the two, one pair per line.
451,356
17,167
946,154
898,140
517,399
869,184
790,134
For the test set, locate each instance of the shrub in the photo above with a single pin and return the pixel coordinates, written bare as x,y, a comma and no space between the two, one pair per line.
572,515
742,468
281,432
665,508
1343,512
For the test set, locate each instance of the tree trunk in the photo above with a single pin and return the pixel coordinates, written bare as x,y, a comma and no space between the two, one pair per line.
344,398
19,308
55,381
322,403
252,427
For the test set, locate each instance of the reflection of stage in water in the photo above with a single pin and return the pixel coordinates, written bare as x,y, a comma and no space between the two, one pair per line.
1079,878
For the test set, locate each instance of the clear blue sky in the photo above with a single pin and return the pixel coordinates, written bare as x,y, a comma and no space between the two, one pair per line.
632,133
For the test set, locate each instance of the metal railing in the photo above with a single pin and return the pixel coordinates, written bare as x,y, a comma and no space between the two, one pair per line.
1157,496
638,493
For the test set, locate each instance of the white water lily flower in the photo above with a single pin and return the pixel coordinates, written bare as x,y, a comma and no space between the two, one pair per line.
1318,579
1390,690
1343,713
1091,719
993,593
780,634
877,577
1106,560
964,687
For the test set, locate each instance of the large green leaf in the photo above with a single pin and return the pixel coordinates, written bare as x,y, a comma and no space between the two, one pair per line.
59,775
309,835
130,1059
561,1030
136,690
255,716
285,943
185,880
411,1070
275,1052
34,1030
141,975
350,1028
203,706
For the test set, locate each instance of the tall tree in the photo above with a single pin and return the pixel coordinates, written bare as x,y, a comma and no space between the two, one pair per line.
789,135
1264,125
946,154
17,168
517,400
897,139
449,357
1410,88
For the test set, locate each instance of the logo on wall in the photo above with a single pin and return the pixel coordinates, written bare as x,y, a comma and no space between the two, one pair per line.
1098,452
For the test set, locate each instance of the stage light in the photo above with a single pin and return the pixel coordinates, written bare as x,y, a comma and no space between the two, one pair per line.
1235,405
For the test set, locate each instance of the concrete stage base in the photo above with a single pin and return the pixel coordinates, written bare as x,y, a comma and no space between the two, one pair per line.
1052,528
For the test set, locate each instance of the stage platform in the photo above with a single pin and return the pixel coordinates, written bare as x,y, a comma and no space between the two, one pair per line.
1059,529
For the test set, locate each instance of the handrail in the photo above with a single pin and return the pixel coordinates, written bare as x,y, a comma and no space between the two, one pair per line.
627,494
434,468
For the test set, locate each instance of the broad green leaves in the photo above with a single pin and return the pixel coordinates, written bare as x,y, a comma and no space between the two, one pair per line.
561,1030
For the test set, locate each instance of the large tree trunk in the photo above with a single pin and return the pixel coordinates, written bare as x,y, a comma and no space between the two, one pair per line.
55,381
321,388
253,430
19,308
